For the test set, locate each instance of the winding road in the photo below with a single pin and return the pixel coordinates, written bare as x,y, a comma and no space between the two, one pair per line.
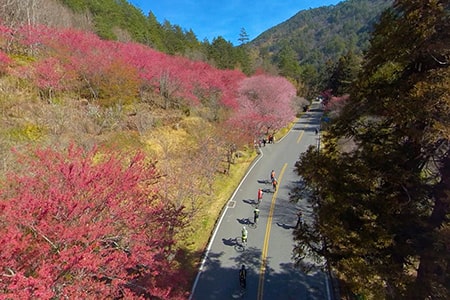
271,273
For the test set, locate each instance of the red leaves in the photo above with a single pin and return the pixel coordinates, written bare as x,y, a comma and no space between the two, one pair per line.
95,64
334,105
49,74
114,72
77,224
264,102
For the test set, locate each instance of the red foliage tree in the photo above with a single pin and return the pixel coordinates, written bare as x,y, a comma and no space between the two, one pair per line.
86,225
265,102
334,105
50,77
178,77
93,59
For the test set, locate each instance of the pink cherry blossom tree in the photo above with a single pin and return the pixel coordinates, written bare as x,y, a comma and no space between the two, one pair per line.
265,102
87,225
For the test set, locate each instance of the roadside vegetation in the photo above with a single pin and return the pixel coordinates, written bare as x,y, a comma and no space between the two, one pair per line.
381,182
122,144
116,152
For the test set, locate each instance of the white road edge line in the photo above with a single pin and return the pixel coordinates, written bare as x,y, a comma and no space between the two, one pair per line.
218,225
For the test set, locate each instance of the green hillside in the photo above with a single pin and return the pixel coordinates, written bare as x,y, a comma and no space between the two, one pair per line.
317,38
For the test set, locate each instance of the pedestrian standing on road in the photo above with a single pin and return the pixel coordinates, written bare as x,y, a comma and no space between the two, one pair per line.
274,184
316,131
255,215
299,219
260,195
272,175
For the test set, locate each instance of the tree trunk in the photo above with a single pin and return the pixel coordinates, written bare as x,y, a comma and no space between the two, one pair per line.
431,281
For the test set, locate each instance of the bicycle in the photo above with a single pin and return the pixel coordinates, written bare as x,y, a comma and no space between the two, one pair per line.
244,242
241,242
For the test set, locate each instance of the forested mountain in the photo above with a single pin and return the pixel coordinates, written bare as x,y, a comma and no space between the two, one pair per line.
315,39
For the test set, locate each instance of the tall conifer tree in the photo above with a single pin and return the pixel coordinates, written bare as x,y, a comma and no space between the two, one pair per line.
382,209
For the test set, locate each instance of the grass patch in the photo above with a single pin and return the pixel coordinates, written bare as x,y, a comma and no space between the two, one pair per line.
203,225
224,186
285,130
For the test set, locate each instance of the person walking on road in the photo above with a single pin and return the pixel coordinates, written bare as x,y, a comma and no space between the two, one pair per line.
255,215
274,184
260,195
272,175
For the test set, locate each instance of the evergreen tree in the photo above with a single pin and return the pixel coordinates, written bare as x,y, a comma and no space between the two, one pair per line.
382,207
344,73
243,36
156,36
243,58
288,62
222,53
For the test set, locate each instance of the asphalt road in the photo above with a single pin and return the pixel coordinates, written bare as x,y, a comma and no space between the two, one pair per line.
271,273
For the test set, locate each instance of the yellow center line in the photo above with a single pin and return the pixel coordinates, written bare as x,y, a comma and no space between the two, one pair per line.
301,132
262,271
300,136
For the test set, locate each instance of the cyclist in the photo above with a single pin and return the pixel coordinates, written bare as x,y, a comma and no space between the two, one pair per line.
260,195
255,215
244,235
243,277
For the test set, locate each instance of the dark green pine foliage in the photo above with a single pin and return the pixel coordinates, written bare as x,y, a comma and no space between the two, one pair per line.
244,61
287,62
243,36
323,34
221,52
344,73
382,208
224,55
112,14
156,36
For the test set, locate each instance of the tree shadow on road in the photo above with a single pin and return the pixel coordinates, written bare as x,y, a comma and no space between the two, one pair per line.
296,284
251,258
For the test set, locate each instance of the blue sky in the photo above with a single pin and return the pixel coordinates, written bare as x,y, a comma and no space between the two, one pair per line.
212,18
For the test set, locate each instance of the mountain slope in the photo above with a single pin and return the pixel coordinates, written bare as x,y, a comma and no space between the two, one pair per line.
323,34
